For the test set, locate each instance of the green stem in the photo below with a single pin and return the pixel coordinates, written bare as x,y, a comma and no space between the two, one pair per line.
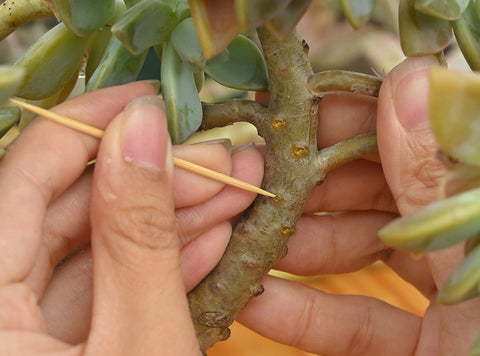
343,152
15,13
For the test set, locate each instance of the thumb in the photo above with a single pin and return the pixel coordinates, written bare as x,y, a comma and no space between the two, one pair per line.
139,301
406,145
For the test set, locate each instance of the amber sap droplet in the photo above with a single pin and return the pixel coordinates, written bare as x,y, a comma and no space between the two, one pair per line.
299,151
278,124
278,199
287,231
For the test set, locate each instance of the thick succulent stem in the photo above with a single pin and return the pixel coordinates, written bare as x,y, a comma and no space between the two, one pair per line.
15,13
293,167
259,239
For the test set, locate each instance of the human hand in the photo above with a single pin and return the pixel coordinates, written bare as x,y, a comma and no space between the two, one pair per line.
146,225
369,195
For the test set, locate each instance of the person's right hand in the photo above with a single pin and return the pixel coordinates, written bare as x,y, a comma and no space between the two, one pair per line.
369,195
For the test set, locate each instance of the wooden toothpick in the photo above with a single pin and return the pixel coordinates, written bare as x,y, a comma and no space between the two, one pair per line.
98,133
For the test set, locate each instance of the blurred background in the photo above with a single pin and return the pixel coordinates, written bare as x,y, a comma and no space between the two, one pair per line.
334,44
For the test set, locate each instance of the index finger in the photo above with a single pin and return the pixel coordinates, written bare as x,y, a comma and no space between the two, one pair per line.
42,163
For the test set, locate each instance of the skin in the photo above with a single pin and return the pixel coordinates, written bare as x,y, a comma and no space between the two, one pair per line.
371,192
402,178
139,229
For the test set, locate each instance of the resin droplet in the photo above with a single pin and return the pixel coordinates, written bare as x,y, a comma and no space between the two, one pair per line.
278,124
299,151
278,199
287,231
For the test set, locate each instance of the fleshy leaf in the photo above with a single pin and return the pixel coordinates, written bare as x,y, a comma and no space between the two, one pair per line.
467,33
145,24
443,9
454,108
185,41
358,12
9,116
245,68
421,34
10,80
439,225
184,109
214,35
86,16
464,281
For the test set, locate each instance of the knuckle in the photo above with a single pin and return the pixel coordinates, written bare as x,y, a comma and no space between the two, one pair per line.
307,321
362,338
147,226
421,182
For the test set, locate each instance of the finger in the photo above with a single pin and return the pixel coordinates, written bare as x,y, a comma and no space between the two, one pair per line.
346,242
230,201
342,116
406,145
137,279
330,325
335,243
67,302
358,185
36,170
190,188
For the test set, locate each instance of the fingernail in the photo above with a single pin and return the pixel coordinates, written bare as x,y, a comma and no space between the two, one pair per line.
240,148
146,142
225,142
155,83
411,93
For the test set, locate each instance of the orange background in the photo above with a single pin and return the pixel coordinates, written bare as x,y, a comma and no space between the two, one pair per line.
377,281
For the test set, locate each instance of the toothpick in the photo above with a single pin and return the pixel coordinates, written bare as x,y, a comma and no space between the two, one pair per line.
98,133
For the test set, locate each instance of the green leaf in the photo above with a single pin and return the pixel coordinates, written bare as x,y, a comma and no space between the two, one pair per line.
184,109
51,62
245,68
454,108
10,80
182,11
467,33
117,66
443,9
439,225
475,351
216,24
145,24
9,116
421,34
86,16
252,13
358,12
464,281
185,42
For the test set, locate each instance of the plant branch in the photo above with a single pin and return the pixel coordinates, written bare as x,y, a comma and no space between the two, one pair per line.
343,152
15,13
229,112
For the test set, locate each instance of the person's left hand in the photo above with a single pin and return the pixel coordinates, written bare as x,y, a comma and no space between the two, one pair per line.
154,233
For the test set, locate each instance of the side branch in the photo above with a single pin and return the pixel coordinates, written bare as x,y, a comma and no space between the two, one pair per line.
229,112
343,152
15,13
